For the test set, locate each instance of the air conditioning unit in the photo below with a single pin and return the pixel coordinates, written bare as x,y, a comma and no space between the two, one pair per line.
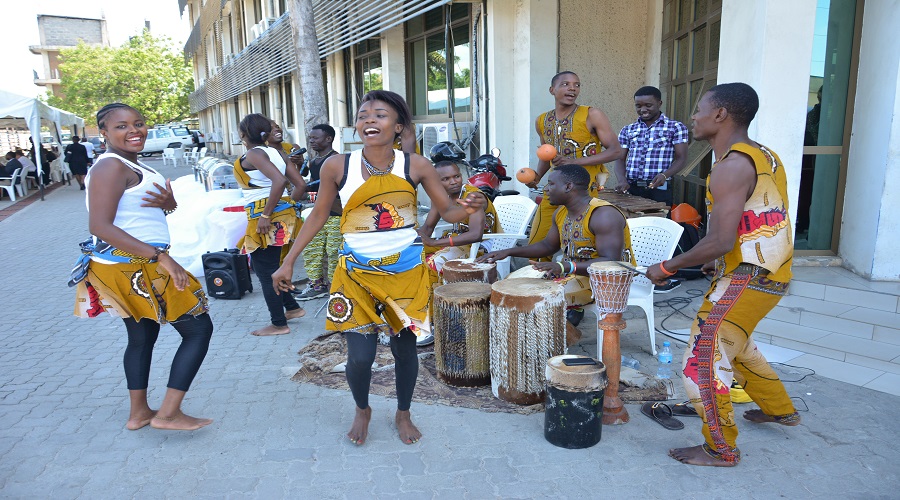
433,133
255,31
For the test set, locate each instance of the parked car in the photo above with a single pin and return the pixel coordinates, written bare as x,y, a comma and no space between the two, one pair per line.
159,139
99,145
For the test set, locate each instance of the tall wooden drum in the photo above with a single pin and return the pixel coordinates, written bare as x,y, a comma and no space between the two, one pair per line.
527,328
458,270
461,339
574,406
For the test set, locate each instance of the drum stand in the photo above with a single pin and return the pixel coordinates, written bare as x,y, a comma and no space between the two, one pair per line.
614,411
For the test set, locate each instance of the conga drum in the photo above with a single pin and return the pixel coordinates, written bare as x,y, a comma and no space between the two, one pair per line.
611,283
461,327
528,327
574,404
465,270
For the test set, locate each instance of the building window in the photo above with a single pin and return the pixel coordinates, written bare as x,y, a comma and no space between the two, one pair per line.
287,100
439,62
264,100
689,64
367,65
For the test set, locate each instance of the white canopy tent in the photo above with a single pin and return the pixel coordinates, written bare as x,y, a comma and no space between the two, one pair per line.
17,111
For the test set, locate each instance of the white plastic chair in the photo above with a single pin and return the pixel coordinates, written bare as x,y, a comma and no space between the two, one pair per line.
653,240
202,153
9,184
514,213
192,156
22,184
168,155
179,155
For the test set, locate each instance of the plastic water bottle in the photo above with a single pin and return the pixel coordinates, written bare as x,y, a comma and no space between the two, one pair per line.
630,362
665,361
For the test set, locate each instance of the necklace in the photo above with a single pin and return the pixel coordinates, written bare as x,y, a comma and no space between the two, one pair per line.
374,171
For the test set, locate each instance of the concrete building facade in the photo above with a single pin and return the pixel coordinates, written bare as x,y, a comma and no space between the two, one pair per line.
60,32
826,72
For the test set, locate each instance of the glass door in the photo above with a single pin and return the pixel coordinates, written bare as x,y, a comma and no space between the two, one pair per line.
827,128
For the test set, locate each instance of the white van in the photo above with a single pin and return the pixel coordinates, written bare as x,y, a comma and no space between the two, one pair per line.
160,138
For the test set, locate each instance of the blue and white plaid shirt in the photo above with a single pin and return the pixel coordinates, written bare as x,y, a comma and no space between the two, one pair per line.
651,149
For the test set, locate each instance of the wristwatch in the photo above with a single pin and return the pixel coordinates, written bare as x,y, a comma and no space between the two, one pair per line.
158,251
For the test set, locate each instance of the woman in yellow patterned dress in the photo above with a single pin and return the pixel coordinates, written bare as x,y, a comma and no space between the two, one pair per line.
126,270
273,216
381,283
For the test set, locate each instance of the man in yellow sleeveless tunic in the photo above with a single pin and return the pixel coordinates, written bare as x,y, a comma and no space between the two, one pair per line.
582,135
587,230
751,267
380,284
455,243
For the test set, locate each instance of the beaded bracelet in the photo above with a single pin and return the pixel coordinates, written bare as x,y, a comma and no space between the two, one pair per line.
170,212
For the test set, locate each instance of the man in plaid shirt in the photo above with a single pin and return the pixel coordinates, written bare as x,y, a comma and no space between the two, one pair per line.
656,148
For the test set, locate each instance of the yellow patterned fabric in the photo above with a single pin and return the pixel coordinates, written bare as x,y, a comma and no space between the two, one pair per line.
285,224
764,235
287,147
573,139
137,290
577,239
241,177
379,293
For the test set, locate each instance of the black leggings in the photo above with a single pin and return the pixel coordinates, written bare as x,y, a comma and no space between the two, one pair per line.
361,355
195,331
265,261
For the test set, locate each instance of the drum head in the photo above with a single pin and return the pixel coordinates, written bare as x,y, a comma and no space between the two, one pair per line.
526,272
463,290
467,265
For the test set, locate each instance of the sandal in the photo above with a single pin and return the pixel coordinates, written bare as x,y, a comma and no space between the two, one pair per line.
684,409
662,414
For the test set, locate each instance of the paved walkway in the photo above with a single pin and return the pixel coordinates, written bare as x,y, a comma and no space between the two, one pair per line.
64,406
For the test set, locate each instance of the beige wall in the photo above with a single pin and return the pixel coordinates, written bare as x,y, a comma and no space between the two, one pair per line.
605,43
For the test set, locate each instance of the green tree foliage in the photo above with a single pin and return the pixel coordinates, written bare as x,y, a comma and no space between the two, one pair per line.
147,73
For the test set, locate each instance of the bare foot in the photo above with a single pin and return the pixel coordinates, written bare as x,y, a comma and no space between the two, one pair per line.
696,455
179,422
409,433
270,330
359,431
135,422
295,313
759,417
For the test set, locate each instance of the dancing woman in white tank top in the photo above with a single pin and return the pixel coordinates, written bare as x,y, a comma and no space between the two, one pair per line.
127,271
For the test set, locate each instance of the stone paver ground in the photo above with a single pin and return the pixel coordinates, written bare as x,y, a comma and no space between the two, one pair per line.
63,406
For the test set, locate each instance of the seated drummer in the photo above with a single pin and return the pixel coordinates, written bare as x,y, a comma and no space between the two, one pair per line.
587,230
456,242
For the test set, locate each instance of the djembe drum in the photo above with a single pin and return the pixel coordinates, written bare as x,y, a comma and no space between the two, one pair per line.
527,328
611,283
458,270
461,327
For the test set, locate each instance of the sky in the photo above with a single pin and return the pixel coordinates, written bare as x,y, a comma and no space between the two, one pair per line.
123,19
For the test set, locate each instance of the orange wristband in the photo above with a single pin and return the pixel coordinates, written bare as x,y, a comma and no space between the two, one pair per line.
451,240
664,270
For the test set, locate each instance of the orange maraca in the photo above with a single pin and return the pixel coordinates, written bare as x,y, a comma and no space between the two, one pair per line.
526,175
546,152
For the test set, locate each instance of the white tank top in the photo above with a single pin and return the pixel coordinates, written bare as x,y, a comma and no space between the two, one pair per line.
147,224
258,178
375,243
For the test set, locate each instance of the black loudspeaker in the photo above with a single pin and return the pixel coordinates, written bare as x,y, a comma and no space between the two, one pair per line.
227,274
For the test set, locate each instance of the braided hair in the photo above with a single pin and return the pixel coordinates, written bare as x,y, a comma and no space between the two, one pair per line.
109,108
